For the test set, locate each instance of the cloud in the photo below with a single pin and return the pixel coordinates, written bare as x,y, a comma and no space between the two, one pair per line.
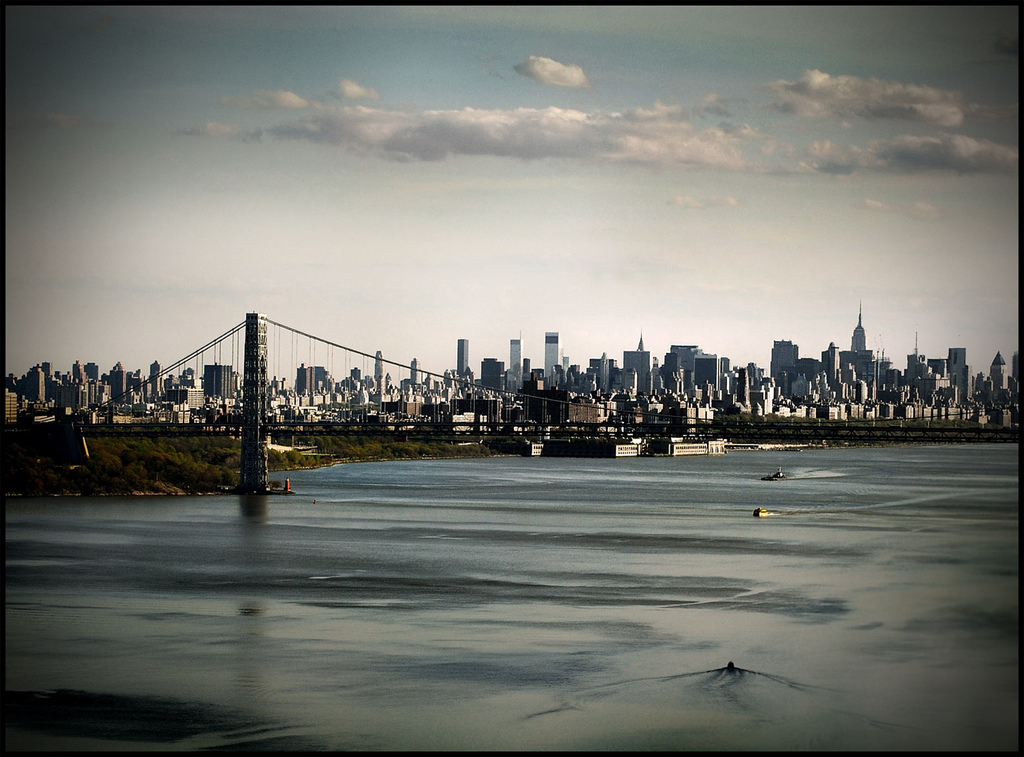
948,152
819,95
714,106
350,90
919,210
657,136
548,71
223,131
265,98
685,201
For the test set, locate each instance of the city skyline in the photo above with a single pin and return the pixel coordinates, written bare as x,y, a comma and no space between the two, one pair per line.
466,358
395,179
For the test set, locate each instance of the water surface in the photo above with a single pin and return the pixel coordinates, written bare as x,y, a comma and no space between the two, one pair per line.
518,603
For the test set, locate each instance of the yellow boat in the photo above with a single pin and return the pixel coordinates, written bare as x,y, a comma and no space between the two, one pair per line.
760,512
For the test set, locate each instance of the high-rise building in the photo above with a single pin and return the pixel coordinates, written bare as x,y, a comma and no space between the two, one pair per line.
492,373
378,372
515,364
639,360
117,379
997,372
217,381
414,372
305,380
550,357
153,385
462,366
35,384
859,342
959,372
707,370
830,364
784,357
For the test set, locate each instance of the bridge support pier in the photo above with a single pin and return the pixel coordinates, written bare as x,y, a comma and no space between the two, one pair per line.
253,478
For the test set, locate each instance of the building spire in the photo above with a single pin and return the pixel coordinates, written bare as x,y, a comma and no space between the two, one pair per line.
640,347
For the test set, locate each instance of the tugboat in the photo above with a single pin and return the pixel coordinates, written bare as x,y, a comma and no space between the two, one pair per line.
760,512
776,476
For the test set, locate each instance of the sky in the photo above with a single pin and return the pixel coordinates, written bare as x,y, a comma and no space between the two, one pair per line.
399,178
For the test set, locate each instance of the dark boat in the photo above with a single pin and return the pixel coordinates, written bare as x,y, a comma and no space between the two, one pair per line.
776,476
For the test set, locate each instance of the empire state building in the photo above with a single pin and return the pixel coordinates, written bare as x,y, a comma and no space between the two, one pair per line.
859,342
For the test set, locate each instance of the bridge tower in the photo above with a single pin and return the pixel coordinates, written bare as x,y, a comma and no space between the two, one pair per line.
253,478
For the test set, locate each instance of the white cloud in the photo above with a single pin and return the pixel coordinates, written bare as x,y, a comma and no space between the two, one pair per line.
817,95
265,98
658,135
548,71
923,211
350,90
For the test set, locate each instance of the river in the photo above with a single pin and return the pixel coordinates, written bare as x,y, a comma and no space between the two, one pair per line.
530,603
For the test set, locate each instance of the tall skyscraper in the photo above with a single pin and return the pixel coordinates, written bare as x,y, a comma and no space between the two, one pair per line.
118,380
217,381
784,356
153,385
414,372
515,364
378,372
462,366
550,357
997,372
304,380
492,373
639,361
959,372
859,342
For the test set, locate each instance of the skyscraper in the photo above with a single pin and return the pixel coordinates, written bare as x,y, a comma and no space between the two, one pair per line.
784,357
462,366
217,381
959,372
859,342
997,372
550,357
492,373
515,364
639,361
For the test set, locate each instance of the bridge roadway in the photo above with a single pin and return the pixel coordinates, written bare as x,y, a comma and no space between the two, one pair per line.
739,432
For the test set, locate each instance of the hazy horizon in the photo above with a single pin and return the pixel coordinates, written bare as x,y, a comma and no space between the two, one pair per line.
398,178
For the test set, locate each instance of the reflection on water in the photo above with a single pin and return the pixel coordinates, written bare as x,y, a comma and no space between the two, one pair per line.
529,604
254,507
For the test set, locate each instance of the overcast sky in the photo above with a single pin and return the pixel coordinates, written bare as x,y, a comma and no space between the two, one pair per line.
400,178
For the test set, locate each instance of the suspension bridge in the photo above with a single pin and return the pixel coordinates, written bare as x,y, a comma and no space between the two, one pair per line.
469,409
